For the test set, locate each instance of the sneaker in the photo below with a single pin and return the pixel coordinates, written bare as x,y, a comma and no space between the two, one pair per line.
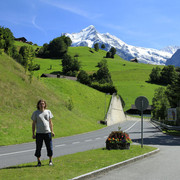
50,163
39,164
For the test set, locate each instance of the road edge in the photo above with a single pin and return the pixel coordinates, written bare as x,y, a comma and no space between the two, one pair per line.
114,166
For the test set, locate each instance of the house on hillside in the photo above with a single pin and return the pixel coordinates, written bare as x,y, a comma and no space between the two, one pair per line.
21,39
134,60
51,75
135,111
59,76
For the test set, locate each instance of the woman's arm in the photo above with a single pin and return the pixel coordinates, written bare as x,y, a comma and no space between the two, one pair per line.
33,129
51,127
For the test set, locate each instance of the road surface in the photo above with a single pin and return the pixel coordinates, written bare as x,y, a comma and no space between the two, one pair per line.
24,153
162,166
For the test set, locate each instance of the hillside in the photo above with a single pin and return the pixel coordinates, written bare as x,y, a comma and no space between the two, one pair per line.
19,97
129,78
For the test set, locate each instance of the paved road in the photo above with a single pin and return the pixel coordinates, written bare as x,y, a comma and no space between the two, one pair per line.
162,166
23,153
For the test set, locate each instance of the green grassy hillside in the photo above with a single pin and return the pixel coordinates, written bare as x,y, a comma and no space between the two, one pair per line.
129,78
18,100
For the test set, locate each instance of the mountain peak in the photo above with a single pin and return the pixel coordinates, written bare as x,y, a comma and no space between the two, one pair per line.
89,29
89,36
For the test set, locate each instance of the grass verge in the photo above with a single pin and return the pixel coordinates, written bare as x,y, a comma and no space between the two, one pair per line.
172,132
69,166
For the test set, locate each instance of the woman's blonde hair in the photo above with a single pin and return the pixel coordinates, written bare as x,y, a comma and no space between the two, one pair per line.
41,100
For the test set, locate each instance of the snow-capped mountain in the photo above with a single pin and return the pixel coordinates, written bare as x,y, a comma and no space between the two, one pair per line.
171,49
89,36
175,59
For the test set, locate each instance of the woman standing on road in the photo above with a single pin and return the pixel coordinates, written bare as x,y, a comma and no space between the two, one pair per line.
42,122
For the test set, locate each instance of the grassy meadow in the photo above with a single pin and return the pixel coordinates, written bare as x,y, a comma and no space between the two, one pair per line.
73,165
19,98
130,79
77,108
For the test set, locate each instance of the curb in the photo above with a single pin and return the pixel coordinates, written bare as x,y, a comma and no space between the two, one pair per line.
114,166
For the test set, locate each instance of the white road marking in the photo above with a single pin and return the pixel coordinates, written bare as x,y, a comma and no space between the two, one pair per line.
88,140
12,153
75,142
98,138
131,126
7,154
60,145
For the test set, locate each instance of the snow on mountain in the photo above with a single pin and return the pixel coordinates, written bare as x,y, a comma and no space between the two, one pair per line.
171,49
89,36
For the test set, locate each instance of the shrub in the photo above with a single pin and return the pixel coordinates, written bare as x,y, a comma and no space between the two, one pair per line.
106,87
84,78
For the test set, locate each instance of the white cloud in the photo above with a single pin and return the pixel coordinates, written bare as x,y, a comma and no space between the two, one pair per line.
72,9
36,26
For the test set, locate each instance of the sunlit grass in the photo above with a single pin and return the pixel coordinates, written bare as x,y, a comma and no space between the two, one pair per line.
69,166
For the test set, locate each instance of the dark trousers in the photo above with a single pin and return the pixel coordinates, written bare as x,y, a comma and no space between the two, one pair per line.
47,138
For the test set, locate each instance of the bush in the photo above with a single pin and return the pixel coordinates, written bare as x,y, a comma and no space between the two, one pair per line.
84,78
106,87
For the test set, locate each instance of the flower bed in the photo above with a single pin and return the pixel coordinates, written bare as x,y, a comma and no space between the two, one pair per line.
118,140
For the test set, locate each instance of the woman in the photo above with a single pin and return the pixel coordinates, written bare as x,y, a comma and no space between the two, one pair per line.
42,122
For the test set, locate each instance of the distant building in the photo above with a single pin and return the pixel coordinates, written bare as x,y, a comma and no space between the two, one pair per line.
134,60
21,39
58,76
134,110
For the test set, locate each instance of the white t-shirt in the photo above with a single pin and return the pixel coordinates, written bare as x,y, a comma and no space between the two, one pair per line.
42,120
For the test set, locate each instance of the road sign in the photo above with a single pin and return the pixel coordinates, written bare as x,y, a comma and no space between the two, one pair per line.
141,103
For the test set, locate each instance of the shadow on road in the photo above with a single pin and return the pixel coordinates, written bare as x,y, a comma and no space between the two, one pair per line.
160,139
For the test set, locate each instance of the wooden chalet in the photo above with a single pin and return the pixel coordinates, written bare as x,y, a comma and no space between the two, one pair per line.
21,39
58,76
134,60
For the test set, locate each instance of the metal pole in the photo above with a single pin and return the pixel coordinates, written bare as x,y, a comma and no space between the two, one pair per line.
105,108
141,129
142,126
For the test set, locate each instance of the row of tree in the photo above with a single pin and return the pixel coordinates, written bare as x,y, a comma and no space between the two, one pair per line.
169,96
109,54
166,75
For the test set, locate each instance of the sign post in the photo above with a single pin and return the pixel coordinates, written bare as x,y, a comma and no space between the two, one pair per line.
141,104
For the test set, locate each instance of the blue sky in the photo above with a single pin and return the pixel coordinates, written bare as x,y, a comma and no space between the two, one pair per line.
144,23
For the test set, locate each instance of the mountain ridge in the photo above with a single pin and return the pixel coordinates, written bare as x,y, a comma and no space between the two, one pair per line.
89,36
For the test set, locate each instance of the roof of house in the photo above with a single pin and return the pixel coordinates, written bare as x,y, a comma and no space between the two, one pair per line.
59,76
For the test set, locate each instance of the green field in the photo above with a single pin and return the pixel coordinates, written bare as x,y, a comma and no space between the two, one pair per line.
19,97
130,79
18,100
69,166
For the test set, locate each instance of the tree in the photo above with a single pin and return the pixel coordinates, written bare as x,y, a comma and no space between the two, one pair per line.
113,52
96,47
83,77
57,48
108,55
155,75
103,46
103,75
70,65
160,104
6,39
168,74
173,92
67,40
